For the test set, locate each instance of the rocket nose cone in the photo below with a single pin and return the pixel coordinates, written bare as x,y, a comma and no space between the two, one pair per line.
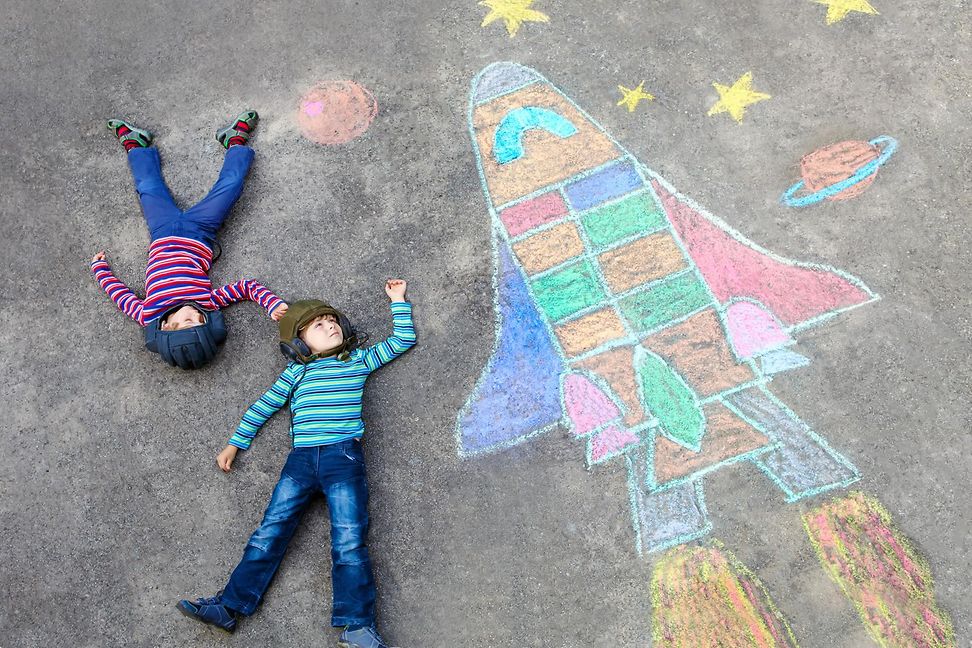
500,78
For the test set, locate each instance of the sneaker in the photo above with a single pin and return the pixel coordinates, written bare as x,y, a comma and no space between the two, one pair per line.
366,637
240,130
210,610
129,135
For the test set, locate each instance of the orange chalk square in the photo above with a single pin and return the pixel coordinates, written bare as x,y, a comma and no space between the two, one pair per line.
548,248
641,261
590,331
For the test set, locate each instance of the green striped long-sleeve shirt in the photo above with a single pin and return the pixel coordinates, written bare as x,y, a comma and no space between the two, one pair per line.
327,401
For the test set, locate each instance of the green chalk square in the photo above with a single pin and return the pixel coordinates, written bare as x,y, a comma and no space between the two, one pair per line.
665,301
566,291
633,215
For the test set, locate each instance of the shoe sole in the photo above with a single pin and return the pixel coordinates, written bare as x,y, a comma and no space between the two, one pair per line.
192,616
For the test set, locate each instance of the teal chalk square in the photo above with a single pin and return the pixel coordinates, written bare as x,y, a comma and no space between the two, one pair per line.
633,215
665,301
568,290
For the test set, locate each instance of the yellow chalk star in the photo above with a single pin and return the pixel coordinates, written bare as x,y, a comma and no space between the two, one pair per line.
837,10
630,98
734,100
513,13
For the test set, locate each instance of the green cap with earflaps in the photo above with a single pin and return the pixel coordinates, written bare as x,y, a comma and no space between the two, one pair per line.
301,313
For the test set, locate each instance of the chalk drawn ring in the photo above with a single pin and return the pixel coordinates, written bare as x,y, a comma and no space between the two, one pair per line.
336,112
861,174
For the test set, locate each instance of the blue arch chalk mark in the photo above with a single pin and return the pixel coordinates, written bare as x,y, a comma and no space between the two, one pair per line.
508,142
519,392
890,144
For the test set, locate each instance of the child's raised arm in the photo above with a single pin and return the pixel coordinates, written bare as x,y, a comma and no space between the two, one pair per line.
253,291
260,412
403,334
126,301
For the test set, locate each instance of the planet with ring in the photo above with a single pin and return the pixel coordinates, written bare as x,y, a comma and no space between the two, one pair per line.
839,171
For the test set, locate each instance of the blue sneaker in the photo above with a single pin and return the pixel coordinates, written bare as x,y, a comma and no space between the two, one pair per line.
210,610
366,637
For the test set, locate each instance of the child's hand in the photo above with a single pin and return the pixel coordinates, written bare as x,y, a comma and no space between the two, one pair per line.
225,458
395,289
98,257
279,312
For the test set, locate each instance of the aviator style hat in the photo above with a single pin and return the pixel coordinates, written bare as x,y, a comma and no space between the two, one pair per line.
189,348
299,314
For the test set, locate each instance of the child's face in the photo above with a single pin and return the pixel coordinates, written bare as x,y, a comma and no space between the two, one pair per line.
185,317
322,334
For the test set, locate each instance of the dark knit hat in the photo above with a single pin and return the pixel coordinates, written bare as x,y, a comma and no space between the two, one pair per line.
301,313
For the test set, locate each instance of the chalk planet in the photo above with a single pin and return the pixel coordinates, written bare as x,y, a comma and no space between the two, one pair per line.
839,171
336,112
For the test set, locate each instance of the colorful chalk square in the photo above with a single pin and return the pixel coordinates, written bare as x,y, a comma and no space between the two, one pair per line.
526,215
665,301
549,248
640,261
568,290
589,331
637,214
601,186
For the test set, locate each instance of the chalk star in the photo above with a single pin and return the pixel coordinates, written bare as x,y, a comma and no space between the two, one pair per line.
630,98
837,10
513,13
734,100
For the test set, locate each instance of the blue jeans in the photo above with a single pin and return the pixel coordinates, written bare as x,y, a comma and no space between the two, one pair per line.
337,471
201,221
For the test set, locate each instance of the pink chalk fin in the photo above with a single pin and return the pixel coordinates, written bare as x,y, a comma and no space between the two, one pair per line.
587,406
732,268
533,213
610,442
753,330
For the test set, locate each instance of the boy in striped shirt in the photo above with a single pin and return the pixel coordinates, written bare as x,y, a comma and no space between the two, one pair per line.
180,311
323,384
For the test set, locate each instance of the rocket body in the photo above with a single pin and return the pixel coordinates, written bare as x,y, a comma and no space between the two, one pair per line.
647,326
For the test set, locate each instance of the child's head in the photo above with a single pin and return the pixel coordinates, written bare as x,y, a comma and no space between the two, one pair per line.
186,336
185,317
312,329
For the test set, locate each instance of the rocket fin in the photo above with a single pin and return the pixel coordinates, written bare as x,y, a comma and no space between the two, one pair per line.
782,360
734,267
518,393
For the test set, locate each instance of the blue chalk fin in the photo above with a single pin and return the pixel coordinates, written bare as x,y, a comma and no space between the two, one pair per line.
782,360
519,391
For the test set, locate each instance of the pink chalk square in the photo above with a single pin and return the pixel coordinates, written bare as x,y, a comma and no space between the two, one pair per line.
533,213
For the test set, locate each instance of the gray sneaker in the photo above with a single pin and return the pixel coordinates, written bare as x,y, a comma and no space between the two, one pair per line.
362,638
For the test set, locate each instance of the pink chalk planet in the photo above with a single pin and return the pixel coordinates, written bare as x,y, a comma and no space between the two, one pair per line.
336,112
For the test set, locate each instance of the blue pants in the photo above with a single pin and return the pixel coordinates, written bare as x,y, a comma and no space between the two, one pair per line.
201,221
337,471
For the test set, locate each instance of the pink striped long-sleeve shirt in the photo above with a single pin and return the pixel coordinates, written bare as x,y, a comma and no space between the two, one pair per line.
178,271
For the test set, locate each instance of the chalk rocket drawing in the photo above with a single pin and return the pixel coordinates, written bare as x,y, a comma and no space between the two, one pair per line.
627,313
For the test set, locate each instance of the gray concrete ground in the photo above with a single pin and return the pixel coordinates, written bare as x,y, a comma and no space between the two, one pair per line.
112,508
